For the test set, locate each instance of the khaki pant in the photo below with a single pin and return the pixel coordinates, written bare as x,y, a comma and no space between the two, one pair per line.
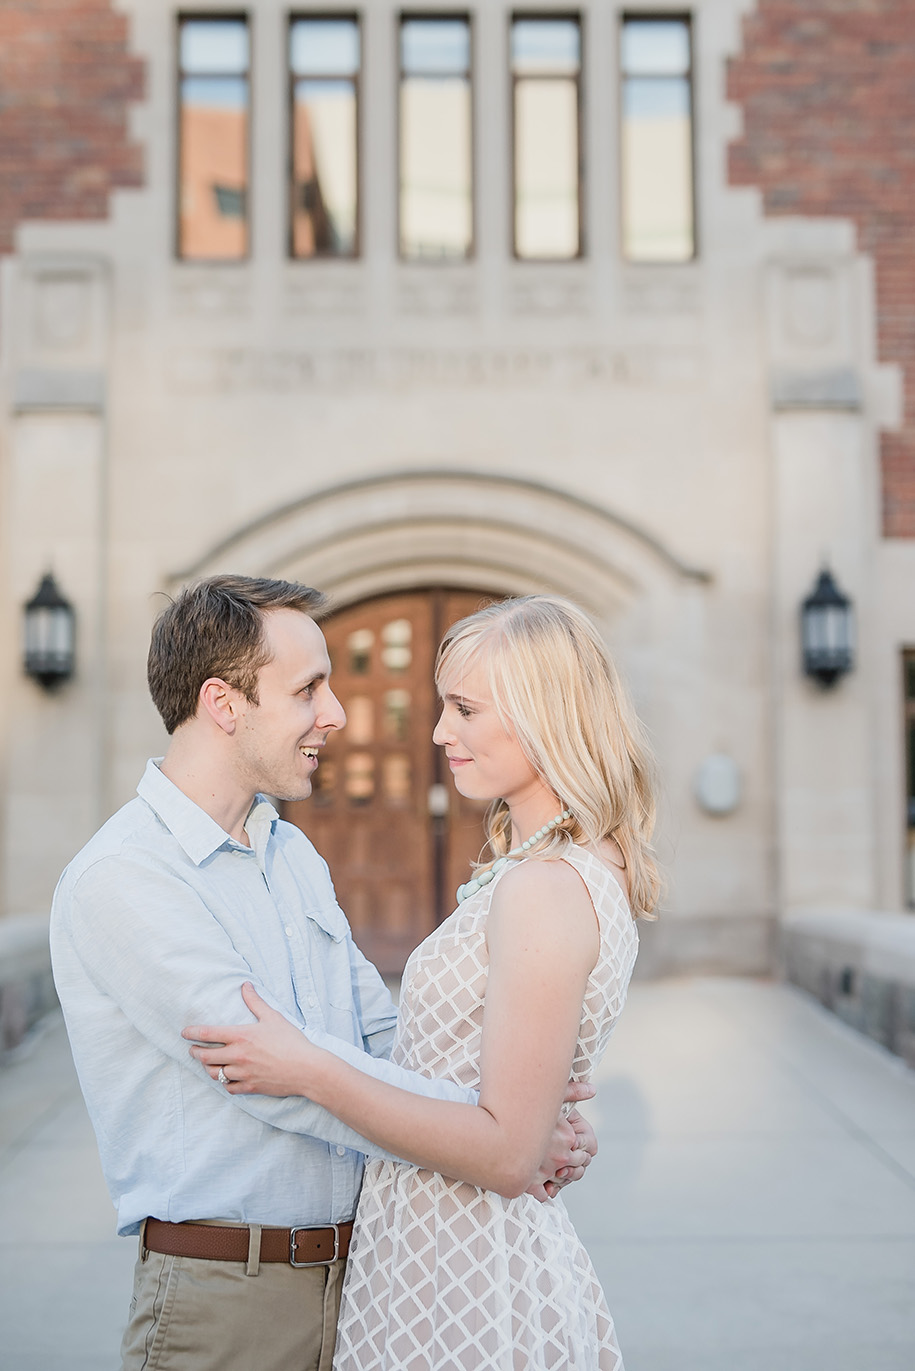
193,1315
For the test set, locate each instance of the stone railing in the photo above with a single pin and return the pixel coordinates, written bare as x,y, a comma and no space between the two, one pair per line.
26,986
859,964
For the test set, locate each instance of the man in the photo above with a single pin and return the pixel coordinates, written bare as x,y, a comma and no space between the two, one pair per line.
243,1203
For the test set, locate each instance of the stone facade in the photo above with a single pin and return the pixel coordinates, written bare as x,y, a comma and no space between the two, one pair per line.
828,93
679,446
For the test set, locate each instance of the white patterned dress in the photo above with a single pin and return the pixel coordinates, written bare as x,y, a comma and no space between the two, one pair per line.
444,1276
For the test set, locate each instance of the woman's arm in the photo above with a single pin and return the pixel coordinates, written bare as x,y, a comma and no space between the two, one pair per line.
543,942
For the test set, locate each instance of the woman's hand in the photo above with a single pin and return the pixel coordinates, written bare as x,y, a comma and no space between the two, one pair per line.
571,1148
270,1057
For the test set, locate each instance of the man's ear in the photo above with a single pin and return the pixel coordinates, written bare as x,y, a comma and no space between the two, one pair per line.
222,703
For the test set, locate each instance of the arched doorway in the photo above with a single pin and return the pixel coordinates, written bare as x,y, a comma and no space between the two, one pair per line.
370,540
384,813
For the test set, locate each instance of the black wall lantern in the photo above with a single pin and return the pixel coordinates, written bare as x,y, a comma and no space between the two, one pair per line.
826,632
50,635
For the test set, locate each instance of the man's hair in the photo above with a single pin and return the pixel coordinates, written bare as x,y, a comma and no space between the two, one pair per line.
216,628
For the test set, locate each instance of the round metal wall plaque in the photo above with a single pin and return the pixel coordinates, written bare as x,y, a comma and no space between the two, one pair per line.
717,784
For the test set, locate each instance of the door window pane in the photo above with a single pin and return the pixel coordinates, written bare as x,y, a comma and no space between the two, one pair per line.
397,715
546,68
360,720
657,151
436,195
359,651
397,779
324,57
359,784
324,783
396,637
214,99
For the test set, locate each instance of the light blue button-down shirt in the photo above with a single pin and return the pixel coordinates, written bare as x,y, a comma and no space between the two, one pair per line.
155,925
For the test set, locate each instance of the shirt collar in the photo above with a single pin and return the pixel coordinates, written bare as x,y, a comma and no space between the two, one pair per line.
198,833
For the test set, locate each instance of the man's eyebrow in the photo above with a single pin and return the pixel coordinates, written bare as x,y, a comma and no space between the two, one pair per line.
316,679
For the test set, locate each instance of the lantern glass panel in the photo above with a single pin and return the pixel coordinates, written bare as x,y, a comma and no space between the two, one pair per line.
48,634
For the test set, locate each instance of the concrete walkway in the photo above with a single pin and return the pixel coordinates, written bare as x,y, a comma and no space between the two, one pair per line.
752,1207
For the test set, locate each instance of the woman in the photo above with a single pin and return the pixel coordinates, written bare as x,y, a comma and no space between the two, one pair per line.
516,991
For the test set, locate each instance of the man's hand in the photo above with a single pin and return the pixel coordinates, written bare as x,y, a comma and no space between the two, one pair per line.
571,1148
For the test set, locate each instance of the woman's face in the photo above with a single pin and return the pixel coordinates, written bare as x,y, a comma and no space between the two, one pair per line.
486,762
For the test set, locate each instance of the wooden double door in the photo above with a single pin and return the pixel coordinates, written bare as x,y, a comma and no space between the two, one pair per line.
384,813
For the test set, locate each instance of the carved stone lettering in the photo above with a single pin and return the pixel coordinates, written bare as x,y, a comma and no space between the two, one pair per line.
551,298
206,298
661,296
348,369
323,298
436,297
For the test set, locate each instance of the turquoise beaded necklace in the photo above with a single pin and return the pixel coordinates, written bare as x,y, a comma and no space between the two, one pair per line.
477,883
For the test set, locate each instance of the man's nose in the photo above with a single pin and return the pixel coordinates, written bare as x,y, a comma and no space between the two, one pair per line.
332,715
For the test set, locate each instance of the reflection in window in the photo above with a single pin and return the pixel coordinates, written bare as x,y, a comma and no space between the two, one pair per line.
359,785
324,62
359,651
397,715
360,720
436,198
546,67
657,159
396,653
396,779
213,139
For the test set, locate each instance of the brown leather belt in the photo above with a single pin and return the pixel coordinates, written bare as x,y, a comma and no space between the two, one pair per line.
298,1246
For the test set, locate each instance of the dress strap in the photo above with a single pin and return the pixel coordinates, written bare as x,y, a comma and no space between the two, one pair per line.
598,872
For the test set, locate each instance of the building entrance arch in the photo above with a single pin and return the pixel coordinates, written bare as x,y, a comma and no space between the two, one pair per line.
423,548
464,529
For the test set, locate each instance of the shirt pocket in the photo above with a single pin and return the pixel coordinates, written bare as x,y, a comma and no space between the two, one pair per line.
331,920
332,973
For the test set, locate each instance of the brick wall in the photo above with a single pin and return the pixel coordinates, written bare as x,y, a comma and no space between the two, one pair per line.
65,83
828,93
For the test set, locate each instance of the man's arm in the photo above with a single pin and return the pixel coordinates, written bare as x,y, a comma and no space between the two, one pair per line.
162,958
525,1060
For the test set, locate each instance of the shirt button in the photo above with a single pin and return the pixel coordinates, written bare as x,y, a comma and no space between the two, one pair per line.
288,930
312,1001
340,1150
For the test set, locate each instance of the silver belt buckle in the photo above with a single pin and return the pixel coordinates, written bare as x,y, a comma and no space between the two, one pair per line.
313,1228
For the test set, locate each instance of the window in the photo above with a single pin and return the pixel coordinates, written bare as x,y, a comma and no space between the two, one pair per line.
908,667
546,78
436,136
657,157
324,62
214,100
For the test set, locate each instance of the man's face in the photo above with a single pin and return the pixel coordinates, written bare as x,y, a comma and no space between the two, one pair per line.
279,739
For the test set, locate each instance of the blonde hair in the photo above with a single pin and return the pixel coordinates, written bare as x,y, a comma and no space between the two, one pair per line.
554,686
